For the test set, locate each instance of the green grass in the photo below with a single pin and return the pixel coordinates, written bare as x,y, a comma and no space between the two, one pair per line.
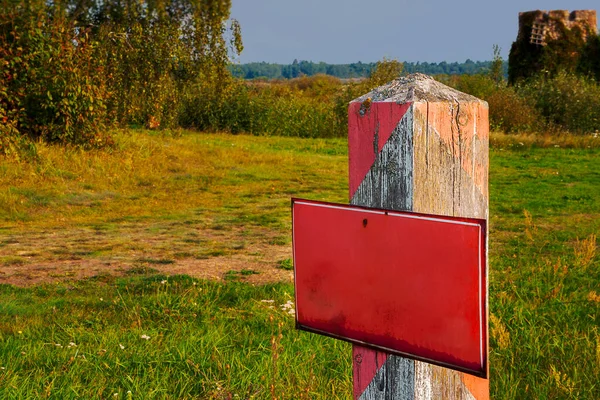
544,271
162,337
219,196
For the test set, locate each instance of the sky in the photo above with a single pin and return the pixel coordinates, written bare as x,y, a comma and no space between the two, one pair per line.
347,31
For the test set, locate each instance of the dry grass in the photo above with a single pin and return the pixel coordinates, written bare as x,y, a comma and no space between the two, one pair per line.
178,199
544,140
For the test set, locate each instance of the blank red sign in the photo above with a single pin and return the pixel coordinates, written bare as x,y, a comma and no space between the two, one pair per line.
406,283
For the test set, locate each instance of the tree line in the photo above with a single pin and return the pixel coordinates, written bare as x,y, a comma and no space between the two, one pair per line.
354,70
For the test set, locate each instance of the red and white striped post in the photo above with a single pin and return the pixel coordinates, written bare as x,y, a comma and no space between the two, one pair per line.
417,145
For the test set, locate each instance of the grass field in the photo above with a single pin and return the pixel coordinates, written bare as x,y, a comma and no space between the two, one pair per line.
92,239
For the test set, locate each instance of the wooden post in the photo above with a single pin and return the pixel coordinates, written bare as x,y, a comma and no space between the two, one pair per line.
417,145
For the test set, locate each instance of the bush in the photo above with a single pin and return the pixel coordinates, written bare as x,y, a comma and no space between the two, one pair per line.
51,86
70,70
509,111
277,108
568,101
512,113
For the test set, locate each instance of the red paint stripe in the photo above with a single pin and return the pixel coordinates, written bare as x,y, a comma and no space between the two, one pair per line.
363,125
367,362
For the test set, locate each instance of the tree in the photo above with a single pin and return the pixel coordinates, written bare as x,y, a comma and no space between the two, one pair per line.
496,68
386,71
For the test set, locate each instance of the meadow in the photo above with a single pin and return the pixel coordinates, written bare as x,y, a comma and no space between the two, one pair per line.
160,268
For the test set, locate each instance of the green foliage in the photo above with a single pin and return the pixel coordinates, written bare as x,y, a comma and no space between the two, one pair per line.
286,264
51,86
567,101
72,69
556,101
509,111
496,72
157,52
590,59
263,70
385,71
298,108
568,52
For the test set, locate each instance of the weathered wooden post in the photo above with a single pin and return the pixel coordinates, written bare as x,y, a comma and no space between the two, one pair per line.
417,145
402,271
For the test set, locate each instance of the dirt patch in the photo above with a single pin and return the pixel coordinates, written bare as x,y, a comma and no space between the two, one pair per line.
36,257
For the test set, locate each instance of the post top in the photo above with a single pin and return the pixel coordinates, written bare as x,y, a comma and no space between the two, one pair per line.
416,87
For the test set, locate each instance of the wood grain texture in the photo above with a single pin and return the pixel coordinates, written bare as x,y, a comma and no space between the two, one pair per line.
450,178
389,182
365,364
451,159
439,165
393,381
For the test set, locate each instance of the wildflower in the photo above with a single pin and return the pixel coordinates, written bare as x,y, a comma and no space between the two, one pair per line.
20,332
121,346
71,344
145,337
288,307
163,281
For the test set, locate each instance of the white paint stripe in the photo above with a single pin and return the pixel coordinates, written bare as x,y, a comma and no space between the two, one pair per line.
423,382
390,213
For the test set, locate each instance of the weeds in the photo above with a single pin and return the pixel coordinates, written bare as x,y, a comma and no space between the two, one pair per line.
585,251
530,228
286,264
499,332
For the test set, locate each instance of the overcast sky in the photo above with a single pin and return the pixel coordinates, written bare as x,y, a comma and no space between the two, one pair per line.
345,31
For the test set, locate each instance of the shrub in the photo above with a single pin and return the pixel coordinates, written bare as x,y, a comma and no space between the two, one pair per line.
512,113
51,86
71,69
568,101
262,109
509,111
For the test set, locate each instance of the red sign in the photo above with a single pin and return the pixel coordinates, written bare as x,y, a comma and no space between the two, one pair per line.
406,283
